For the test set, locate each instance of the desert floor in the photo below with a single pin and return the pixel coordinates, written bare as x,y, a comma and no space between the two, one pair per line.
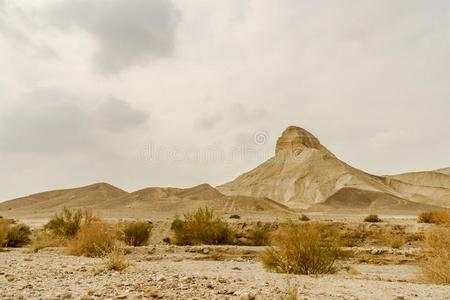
212,272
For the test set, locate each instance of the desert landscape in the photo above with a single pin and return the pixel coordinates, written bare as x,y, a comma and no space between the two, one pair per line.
303,225
232,150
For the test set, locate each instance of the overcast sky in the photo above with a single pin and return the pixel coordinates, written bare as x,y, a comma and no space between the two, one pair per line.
143,93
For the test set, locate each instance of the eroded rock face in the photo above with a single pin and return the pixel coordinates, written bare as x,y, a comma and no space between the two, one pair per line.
294,140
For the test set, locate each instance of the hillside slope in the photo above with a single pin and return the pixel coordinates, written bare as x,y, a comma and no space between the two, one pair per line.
303,173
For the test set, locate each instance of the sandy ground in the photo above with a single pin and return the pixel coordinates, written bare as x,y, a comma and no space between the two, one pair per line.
171,272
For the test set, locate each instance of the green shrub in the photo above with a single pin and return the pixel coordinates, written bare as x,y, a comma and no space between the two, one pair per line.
18,236
137,234
372,219
201,227
259,235
68,222
303,249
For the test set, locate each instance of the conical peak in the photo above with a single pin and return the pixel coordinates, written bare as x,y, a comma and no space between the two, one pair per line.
295,139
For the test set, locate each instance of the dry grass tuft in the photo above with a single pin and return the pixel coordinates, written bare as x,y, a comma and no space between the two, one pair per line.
44,240
439,217
202,227
4,226
395,241
436,266
115,260
290,292
303,249
259,235
92,240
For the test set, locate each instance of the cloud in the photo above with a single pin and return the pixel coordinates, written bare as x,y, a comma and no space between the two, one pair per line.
51,122
236,113
128,33
117,115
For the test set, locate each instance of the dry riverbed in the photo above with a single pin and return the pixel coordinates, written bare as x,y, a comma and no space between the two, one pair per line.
222,272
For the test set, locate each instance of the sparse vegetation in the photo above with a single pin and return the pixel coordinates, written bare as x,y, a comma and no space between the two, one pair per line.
137,234
303,249
436,265
395,241
290,292
68,222
92,240
435,217
18,236
115,260
259,235
304,218
372,219
201,227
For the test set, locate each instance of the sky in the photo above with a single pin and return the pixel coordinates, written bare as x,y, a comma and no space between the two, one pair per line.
143,93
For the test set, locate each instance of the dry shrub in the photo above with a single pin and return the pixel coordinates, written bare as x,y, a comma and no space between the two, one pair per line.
372,219
4,225
92,240
68,222
18,236
353,237
436,265
115,260
303,249
304,218
435,217
202,227
137,234
394,240
259,235
43,239
290,292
